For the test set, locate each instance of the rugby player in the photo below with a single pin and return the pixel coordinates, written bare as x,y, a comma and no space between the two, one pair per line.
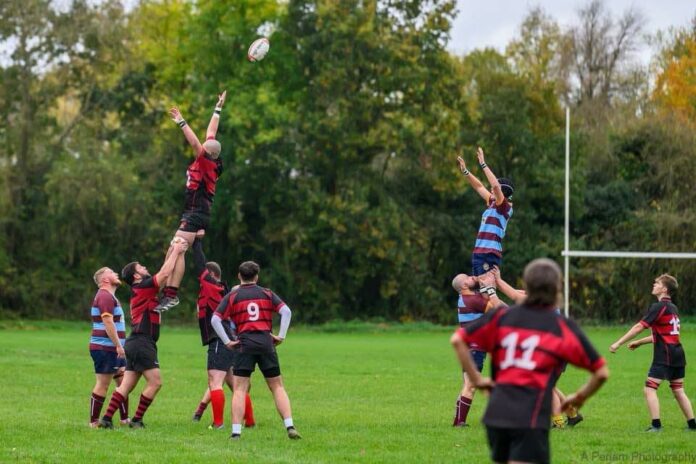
220,358
488,249
528,342
250,311
669,360
106,343
471,305
141,345
201,179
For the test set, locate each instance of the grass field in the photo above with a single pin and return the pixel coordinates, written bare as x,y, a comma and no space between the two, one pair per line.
356,397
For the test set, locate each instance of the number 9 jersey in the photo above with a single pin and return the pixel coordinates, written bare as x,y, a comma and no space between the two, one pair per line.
529,347
250,307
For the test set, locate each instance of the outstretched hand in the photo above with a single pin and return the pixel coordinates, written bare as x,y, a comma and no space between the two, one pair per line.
175,114
633,345
462,164
480,155
613,347
221,99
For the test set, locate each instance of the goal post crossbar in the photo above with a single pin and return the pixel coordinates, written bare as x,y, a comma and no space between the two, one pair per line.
626,254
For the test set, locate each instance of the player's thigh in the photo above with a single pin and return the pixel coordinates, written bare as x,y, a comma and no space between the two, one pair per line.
216,379
188,236
269,364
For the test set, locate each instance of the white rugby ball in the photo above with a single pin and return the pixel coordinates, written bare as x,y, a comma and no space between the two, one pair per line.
258,49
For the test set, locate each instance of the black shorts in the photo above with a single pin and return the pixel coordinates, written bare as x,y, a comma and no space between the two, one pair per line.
661,371
526,445
193,221
141,353
220,358
106,362
256,348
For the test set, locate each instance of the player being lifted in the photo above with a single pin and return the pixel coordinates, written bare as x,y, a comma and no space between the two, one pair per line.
488,249
471,305
528,343
669,360
201,179
220,358
250,309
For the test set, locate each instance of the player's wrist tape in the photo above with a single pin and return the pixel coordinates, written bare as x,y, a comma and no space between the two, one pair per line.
491,291
217,110
181,123
466,172
483,165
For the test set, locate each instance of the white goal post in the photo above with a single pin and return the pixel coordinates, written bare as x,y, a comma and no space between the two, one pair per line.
567,253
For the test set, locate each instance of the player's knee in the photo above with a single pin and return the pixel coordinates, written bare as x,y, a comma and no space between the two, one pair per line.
156,384
651,385
677,386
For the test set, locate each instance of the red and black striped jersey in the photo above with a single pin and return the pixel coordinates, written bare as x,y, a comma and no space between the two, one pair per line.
663,319
529,346
209,296
250,308
144,320
201,179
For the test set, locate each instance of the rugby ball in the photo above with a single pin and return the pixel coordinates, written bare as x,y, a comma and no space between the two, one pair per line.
258,49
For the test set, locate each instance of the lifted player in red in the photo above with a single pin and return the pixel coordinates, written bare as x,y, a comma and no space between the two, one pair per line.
220,359
471,305
201,179
669,360
528,344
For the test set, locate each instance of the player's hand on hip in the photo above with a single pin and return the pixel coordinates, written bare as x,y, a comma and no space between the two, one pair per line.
175,114
484,383
480,155
574,400
231,344
120,352
277,340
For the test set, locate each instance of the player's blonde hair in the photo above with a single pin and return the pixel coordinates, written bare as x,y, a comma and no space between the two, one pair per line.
98,274
670,283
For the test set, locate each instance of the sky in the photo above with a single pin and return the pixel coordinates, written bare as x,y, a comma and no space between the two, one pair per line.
494,22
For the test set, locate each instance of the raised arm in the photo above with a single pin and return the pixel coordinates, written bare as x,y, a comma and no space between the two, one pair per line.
215,118
473,181
178,247
495,185
508,290
188,132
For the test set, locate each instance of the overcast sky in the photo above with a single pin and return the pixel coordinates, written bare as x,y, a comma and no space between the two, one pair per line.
494,22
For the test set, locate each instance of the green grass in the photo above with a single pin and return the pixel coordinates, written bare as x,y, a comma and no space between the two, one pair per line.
357,397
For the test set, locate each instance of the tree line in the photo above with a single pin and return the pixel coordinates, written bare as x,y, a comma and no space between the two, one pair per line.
339,149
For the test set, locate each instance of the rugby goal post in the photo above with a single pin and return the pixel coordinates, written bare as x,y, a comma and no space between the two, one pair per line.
567,253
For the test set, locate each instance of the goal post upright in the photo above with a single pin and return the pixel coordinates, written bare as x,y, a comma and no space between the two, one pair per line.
566,249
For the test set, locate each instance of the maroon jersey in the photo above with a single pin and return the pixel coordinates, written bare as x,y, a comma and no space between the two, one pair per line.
529,347
663,320
471,307
201,179
209,297
250,308
144,320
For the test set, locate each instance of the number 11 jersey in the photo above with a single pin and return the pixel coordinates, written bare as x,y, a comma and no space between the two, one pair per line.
529,346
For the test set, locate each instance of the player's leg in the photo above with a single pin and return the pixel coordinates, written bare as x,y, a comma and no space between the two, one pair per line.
282,402
557,419
677,386
651,386
130,380
98,397
118,378
153,385
240,385
205,400
466,397
216,380
249,420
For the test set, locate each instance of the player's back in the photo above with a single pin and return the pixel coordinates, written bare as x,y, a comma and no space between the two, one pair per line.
663,319
251,308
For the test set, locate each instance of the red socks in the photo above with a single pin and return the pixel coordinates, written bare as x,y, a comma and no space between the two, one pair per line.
95,406
201,408
114,404
217,399
170,292
248,412
123,409
145,403
462,411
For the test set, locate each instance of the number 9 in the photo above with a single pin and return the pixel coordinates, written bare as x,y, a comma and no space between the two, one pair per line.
253,310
